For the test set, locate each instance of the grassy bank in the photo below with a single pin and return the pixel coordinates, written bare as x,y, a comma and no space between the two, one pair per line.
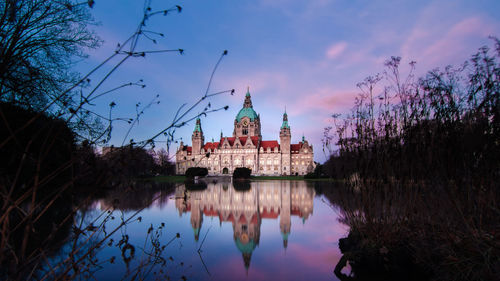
290,178
277,178
181,179
173,179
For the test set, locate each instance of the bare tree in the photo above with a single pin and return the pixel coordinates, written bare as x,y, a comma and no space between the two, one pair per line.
39,43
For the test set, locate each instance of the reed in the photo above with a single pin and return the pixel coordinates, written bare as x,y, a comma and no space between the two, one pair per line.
420,159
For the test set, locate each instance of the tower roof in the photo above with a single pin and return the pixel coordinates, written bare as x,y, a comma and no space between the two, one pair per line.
196,231
285,121
284,235
197,127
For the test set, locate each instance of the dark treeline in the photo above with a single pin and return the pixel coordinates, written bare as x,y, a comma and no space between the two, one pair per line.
443,126
46,177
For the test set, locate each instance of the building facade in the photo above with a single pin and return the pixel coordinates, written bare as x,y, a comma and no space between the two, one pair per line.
247,149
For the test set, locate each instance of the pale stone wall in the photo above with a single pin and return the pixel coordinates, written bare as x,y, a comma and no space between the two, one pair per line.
303,162
260,161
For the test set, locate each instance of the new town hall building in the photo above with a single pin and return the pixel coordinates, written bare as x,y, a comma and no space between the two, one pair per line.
247,149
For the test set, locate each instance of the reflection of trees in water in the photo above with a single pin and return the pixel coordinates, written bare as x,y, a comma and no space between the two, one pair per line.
27,249
137,196
241,185
68,237
414,231
199,185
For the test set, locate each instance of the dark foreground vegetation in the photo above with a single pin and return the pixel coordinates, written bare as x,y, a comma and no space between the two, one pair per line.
421,164
419,231
443,126
47,179
50,172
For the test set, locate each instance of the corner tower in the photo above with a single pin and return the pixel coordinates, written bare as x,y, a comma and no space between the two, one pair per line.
197,138
247,122
285,139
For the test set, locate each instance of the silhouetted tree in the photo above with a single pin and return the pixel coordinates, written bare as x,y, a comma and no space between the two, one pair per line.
39,42
129,161
163,164
196,172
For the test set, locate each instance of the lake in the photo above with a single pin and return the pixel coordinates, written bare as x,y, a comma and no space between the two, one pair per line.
259,230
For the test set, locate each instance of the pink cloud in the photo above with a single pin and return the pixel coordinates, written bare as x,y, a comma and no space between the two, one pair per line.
315,263
453,45
232,268
322,258
336,50
325,100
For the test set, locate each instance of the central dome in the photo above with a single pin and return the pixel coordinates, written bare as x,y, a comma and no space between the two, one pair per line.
245,248
246,112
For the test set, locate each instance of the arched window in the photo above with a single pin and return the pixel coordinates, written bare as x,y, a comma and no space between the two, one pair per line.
245,131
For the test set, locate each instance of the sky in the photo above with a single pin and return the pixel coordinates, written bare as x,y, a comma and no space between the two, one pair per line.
305,56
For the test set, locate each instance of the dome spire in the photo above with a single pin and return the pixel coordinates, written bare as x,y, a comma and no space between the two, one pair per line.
248,101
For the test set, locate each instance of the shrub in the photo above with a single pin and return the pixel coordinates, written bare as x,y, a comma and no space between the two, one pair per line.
242,173
129,161
196,171
311,176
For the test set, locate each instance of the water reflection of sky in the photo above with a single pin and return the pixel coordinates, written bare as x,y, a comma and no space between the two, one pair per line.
264,233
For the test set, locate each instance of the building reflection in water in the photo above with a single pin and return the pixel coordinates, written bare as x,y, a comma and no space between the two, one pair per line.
246,209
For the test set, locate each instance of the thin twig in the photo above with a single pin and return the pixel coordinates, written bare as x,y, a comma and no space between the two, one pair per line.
199,249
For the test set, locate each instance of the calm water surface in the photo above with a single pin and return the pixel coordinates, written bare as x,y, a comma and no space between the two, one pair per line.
266,230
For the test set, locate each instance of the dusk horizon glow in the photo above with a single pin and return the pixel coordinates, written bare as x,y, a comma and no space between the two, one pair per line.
305,57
